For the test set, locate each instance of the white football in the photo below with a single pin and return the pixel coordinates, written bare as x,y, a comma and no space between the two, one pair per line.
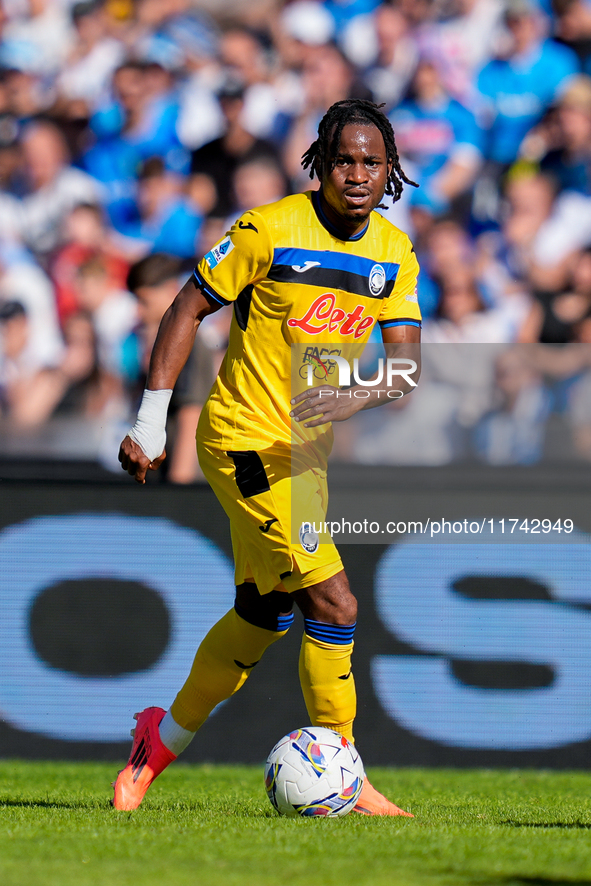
314,771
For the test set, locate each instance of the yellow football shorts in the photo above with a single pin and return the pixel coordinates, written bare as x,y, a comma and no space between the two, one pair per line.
263,501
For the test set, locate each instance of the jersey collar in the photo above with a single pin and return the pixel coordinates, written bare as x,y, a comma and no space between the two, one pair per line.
326,223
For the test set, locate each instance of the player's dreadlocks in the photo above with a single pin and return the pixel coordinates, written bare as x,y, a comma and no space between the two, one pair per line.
326,147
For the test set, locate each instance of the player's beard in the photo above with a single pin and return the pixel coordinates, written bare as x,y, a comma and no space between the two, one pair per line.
359,217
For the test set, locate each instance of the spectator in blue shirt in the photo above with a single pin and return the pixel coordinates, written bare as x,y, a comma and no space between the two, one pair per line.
516,90
139,124
169,222
344,11
441,137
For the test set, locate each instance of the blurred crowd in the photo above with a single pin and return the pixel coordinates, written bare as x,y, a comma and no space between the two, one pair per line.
134,132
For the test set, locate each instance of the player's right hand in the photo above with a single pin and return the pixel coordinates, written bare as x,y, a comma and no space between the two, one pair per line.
135,462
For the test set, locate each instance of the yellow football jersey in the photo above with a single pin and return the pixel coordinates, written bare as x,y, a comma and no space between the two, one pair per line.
292,280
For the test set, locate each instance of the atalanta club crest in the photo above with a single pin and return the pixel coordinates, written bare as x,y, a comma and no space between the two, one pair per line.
377,280
308,538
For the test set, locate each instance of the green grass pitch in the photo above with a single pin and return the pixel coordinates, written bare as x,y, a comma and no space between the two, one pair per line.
213,825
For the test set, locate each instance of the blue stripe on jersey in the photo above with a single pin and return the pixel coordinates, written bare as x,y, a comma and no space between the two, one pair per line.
334,261
336,635
200,282
405,321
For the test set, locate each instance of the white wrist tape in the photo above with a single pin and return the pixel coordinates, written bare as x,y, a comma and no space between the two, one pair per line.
149,430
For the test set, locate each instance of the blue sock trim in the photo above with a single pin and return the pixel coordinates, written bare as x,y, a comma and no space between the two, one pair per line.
284,622
336,635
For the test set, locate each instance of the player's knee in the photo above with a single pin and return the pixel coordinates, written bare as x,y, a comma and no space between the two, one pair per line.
349,610
330,601
272,611
345,610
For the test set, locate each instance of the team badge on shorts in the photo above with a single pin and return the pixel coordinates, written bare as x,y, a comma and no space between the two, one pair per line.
377,279
308,538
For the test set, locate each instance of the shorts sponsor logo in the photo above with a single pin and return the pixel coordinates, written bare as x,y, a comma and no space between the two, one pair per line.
377,279
309,538
245,667
219,252
267,524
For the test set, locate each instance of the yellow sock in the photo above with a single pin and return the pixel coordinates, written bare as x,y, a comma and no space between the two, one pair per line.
328,685
223,661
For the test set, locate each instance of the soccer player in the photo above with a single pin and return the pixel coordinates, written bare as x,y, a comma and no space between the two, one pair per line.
314,268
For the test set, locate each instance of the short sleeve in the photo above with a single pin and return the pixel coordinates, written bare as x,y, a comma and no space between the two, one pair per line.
401,308
241,258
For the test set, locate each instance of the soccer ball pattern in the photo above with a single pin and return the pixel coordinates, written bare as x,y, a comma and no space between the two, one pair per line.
314,771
